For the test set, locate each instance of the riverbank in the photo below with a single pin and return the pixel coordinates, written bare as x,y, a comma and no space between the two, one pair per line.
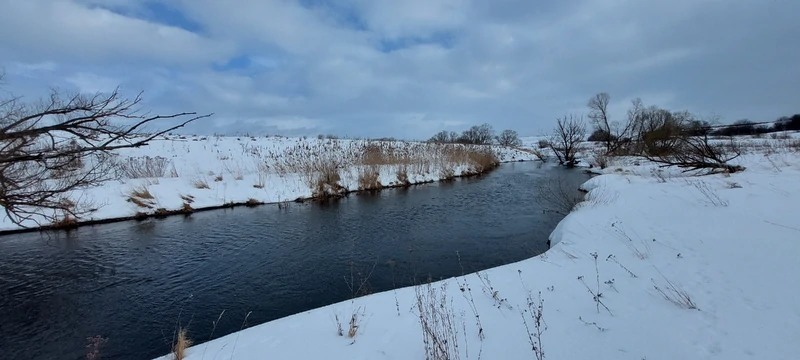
654,264
180,175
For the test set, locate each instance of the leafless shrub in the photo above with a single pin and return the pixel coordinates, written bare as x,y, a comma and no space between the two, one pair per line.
143,167
438,322
570,131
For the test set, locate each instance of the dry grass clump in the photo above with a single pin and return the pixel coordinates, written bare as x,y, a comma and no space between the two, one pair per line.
142,192
447,173
402,175
67,222
181,344
369,178
141,197
324,177
161,213
186,208
482,159
201,183
218,178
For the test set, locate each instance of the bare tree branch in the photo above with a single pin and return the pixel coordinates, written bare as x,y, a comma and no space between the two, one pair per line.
52,149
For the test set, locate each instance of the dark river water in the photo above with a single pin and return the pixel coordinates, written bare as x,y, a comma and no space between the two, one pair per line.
132,282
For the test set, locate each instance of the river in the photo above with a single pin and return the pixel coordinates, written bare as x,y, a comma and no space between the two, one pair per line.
132,282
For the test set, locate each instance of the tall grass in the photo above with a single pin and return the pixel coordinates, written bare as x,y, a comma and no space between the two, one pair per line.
322,164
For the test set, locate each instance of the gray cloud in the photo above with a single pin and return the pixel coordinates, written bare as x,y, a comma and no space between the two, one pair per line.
411,68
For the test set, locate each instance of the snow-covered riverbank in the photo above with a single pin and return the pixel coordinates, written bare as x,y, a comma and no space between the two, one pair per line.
653,265
188,173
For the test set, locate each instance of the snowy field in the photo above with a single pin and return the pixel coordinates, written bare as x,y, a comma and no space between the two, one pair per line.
654,264
207,171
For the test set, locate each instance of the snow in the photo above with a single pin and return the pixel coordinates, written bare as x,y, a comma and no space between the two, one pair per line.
731,243
269,161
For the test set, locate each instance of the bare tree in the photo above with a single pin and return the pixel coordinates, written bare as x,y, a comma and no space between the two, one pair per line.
478,134
698,153
570,131
440,137
509,138
614,134
669,140
635,119
50,148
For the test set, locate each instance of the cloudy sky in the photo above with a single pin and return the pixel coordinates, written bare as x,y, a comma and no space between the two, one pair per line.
408,68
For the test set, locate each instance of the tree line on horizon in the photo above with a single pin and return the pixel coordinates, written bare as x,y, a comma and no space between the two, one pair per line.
478,135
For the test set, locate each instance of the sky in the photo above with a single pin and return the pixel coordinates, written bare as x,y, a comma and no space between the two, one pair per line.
407,69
